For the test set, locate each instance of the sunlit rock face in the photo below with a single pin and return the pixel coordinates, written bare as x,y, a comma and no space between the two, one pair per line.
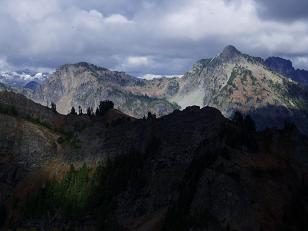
86,85
233,81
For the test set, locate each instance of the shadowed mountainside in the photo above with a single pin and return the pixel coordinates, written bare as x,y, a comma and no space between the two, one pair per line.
191,170
285,67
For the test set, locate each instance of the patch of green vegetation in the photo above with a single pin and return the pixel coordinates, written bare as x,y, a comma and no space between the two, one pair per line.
142,103
244,75
276,86
175,105
234,74
68,196
91,191
244,79
253,79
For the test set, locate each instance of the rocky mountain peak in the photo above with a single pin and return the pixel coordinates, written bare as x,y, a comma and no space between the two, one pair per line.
230,52
236,81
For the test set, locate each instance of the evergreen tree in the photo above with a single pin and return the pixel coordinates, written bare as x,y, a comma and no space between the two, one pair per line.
80,110
73,111
151,115
104,106
90,111
53,107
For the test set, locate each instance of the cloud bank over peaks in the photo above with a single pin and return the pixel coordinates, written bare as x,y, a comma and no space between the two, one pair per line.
162,37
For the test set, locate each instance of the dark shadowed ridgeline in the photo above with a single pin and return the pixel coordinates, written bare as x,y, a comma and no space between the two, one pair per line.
285,67
191,170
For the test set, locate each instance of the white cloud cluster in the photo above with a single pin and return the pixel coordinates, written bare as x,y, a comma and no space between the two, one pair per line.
138,61
144,36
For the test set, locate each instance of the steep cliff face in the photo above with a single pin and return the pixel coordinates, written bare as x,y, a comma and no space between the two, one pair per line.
86,85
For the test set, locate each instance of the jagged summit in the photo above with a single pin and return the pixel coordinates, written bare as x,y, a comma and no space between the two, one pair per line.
236,81
230,52
231,48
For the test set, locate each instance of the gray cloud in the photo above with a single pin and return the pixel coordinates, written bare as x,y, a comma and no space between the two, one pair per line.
142,36
288,10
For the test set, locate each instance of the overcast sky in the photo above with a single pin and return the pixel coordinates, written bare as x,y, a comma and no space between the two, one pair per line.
148,37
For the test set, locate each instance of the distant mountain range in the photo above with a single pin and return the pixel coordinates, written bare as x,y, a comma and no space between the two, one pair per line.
231,81
23,78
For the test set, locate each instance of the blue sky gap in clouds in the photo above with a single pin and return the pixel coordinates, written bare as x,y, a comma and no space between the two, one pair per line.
161,37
